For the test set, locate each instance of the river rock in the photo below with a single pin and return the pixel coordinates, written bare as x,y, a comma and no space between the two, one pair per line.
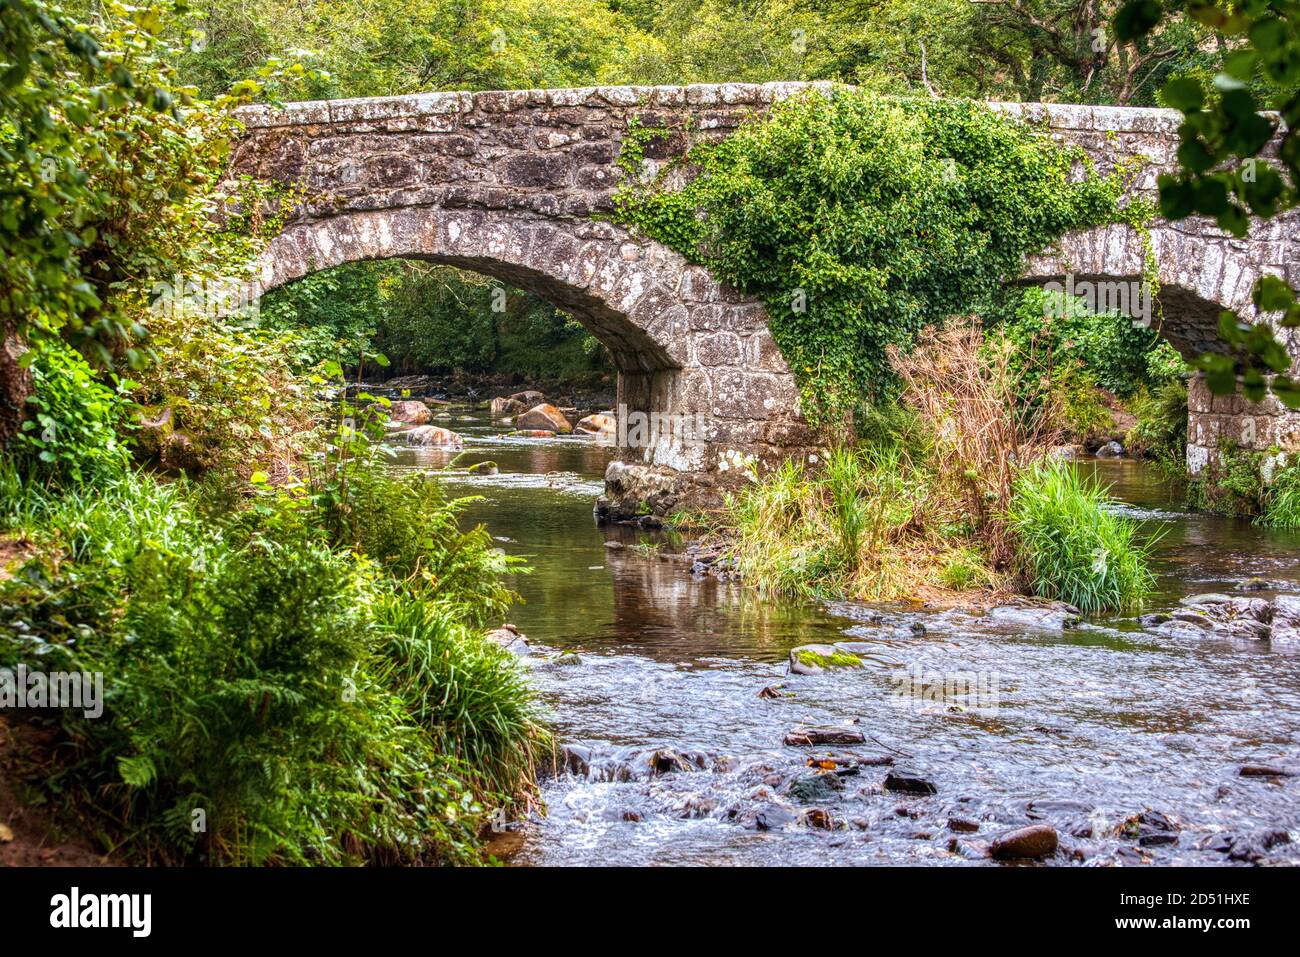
509,638
963,825
801,737
908,782
1033,842
598,424
531,434
503,407
1247,848
483,468
577,758
769,817
409,412
527,399
1068,453
1286,620
814,787
1265,771
814,659
434,436
971,850
819,818
1111,450
543,417
668,761
1240,618
1150,828
1055,617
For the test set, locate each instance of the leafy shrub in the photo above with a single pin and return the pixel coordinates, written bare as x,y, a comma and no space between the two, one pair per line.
222,397
1072,547
1231,483
260,676
70,434
406,524
860,219
1051,330
1077,402
1161,429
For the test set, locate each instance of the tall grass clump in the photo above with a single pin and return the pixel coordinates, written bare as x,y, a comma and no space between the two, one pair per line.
1282,500
1072,547
862,525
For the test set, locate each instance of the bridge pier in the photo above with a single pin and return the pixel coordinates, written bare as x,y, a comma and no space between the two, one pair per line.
1219,422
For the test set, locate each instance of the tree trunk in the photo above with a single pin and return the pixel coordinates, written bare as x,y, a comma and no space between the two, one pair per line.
15,387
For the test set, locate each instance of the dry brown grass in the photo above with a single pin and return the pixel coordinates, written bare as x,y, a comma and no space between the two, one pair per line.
963,391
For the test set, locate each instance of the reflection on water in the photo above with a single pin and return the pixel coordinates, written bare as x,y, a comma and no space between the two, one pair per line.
1086,727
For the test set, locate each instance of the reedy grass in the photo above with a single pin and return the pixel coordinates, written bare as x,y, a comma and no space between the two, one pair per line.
1072,547
863,526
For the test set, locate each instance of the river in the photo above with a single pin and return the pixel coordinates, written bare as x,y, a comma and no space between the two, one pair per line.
1082,729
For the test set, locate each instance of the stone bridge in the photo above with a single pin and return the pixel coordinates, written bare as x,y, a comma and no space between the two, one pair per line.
514,184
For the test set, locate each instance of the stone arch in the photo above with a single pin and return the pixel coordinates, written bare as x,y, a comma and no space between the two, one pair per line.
1197,277
684,345
1199,272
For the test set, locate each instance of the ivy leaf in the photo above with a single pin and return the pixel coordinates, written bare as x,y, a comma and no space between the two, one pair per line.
1271,294
1288,391
1183,93
1137,18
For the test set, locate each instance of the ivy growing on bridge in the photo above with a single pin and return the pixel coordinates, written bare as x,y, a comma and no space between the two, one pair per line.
860,219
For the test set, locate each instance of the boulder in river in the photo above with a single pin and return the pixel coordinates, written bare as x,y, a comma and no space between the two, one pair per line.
1286,620
598,424
1057,616
409,412
510,638
1025,843
1111,450
528,398
1247,848
434,436
1217,614
504,406
908,782
531,434
544,417
483,468
1067,453
814,659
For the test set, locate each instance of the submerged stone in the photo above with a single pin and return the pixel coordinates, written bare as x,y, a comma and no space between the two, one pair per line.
908,782
801,737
